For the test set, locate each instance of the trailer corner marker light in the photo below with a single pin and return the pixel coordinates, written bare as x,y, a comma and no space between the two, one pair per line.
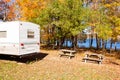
22,44
38,43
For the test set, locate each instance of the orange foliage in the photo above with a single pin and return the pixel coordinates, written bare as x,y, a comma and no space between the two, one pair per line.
30,8
7,10
6,0
11,14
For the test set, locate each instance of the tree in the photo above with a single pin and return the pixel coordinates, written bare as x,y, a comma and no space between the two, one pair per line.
7,11
29,9
67,17
98,20
113,12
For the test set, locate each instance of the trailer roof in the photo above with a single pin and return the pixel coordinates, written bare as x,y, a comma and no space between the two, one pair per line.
19,22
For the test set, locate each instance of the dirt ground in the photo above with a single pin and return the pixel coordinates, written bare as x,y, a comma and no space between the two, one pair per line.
47,65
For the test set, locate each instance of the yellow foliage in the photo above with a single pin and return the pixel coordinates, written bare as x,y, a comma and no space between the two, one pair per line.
30,8
111,5
107,5
117,29
61,0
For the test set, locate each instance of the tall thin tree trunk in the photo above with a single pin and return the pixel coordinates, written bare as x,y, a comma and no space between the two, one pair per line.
103,44
91,41
97,41
48,33
115,46
54,43
53,35
74,42
59,44
100,43
110,45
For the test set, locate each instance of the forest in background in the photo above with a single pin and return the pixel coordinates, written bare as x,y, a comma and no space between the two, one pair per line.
62,20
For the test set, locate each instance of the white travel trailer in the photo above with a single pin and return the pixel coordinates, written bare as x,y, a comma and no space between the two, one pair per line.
19,38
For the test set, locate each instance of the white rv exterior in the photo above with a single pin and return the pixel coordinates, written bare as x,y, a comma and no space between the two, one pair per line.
19,38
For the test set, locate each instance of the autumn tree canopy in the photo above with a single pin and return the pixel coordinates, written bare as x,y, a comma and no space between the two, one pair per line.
66,18
29,9
102,15
7,11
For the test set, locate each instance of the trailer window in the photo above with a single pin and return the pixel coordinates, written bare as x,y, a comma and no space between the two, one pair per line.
3,34
30,34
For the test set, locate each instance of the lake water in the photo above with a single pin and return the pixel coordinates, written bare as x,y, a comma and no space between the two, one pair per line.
86,44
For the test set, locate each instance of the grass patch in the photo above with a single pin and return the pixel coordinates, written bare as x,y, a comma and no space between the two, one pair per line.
7,65
53,67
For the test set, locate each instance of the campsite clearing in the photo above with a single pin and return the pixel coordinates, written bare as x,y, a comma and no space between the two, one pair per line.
47,65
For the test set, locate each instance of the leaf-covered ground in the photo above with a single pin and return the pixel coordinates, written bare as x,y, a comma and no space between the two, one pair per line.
49,66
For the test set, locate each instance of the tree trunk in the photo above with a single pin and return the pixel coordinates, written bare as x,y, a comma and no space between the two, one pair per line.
103,44
54,43
97,42
59,43
48,33
53,35
74,42
110,45
91,41
48,41
65,41
115,47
